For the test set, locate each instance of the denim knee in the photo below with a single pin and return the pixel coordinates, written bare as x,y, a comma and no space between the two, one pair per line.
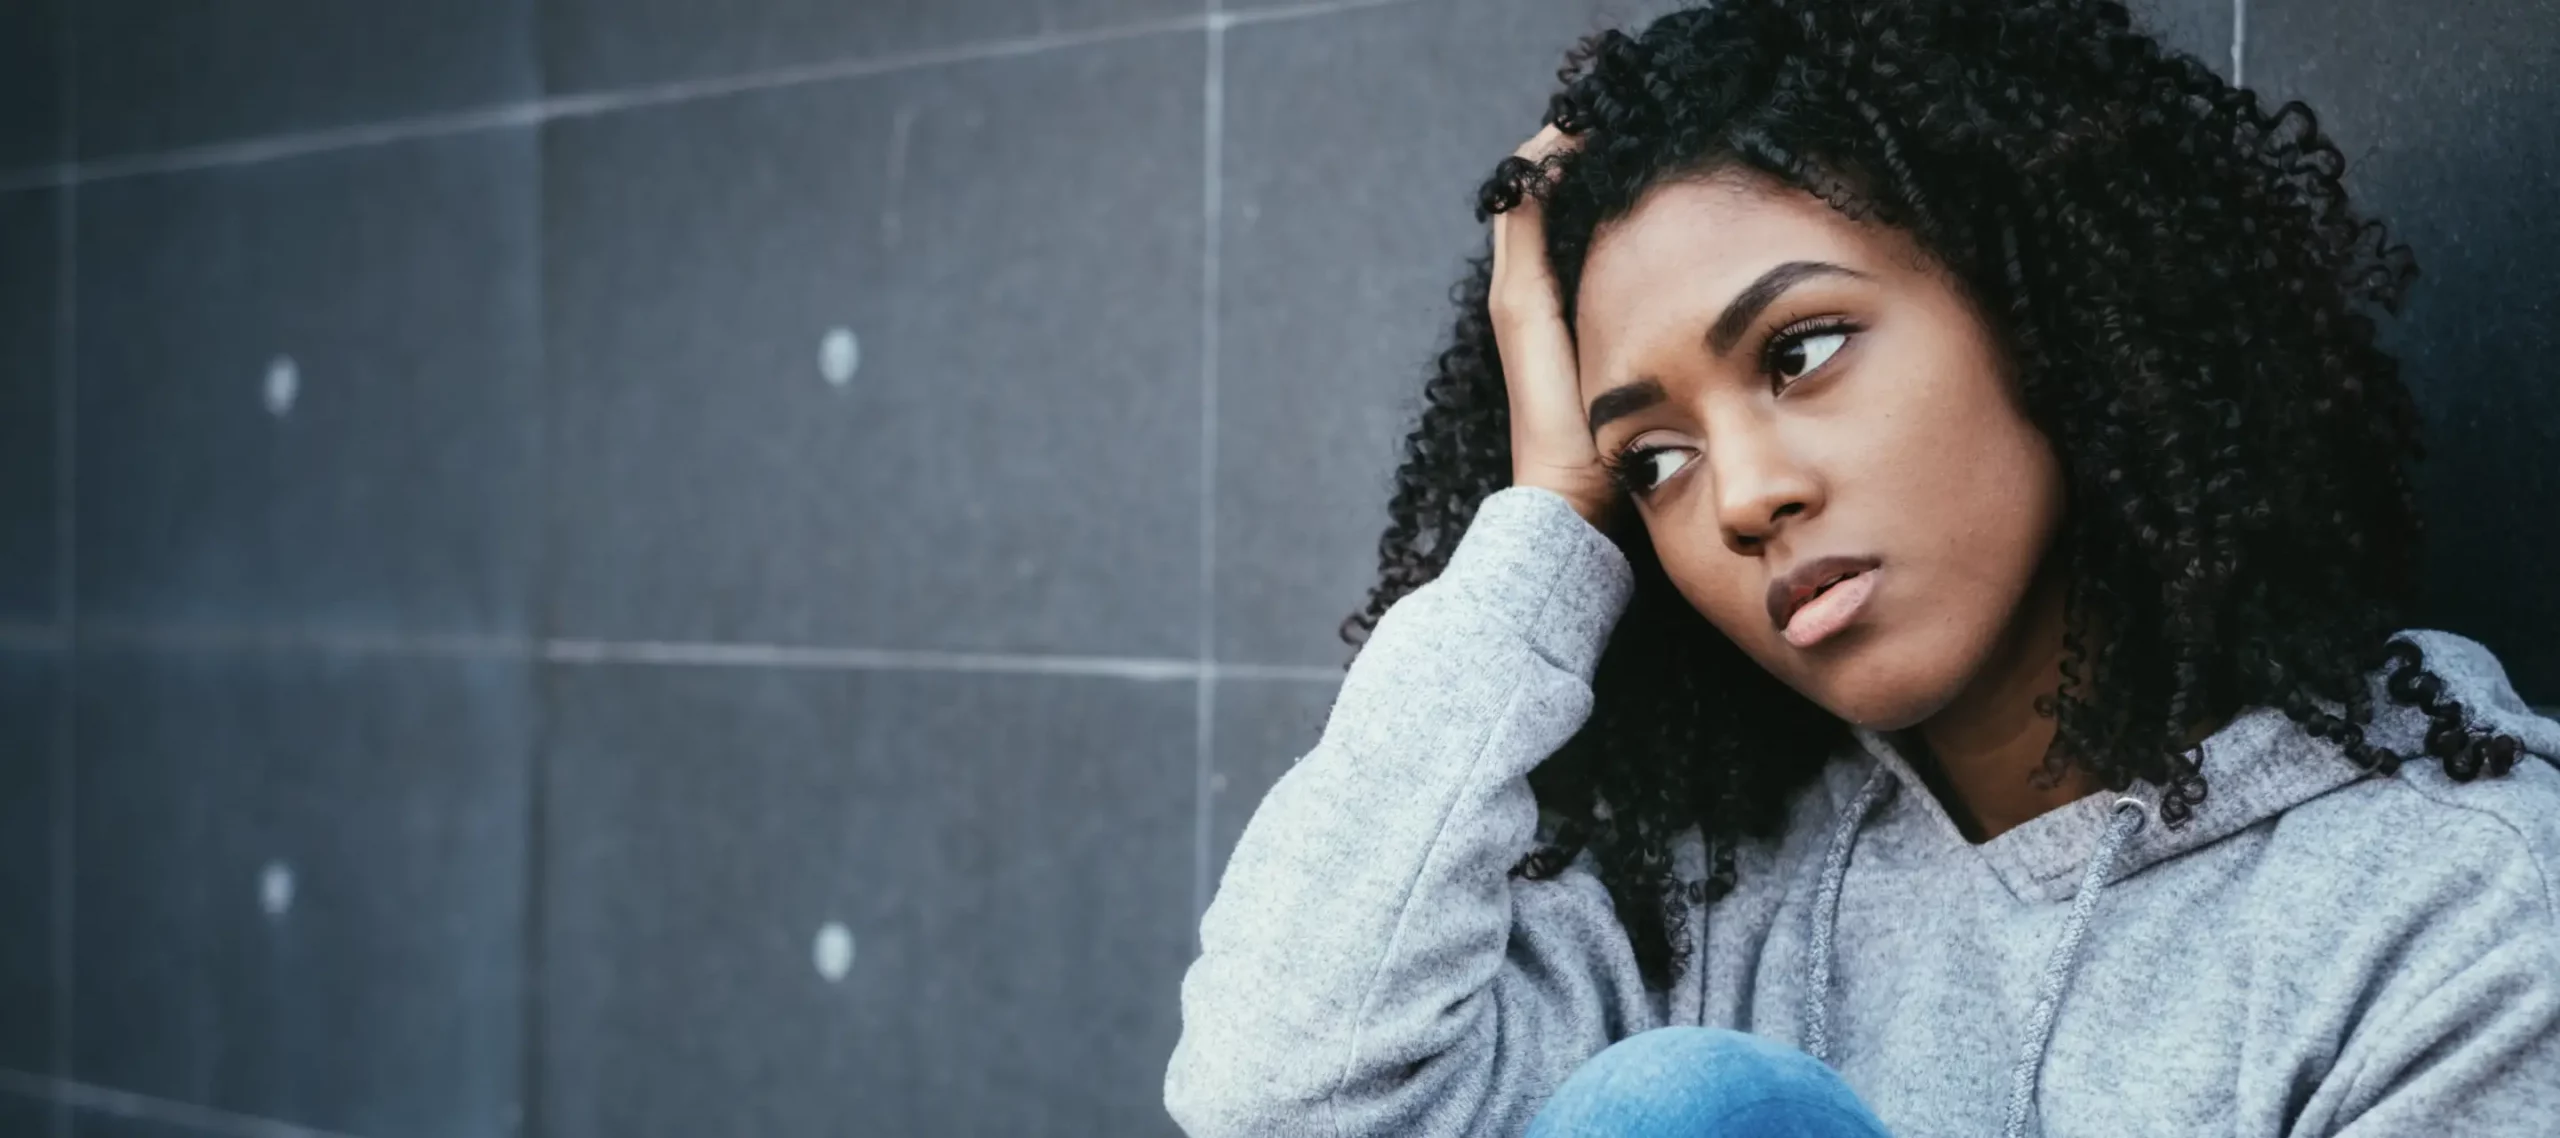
1703,1082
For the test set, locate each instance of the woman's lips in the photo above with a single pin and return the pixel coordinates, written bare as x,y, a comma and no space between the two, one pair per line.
1830,611
1807,579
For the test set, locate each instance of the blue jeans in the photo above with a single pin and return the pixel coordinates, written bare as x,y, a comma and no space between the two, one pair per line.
1704,1082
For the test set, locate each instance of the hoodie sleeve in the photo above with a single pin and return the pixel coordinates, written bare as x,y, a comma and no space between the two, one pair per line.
2480,1055
1368,966
2464,1036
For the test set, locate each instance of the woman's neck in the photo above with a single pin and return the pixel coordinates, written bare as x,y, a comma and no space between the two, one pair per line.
1981,754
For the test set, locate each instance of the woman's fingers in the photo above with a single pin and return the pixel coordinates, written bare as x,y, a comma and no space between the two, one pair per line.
1550,444
1522,280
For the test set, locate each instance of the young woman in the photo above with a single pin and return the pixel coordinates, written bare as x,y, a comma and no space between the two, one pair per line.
1892,625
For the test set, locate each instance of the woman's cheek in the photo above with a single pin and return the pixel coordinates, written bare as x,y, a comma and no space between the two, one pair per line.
1721,588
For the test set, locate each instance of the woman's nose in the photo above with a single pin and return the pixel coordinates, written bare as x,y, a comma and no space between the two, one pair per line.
1757,484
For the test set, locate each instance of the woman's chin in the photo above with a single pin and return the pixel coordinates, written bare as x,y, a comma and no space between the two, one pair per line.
1880,687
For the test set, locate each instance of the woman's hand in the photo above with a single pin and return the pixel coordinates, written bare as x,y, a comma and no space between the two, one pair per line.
1550,441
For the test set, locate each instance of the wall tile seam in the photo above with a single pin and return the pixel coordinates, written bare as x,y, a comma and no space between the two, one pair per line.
577,651
63,840
541,110
1212,208
133,1105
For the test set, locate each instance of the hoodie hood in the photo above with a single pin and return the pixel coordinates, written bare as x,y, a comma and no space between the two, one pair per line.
2255,767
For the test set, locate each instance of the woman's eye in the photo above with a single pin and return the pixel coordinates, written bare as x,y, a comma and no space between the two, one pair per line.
1656,466
1800,356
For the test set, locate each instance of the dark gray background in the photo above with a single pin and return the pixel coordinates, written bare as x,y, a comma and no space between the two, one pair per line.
579,652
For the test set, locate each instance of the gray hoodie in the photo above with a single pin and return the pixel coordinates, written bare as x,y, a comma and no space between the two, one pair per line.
2316,952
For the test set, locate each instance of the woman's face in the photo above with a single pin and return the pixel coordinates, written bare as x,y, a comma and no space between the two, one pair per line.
1789,385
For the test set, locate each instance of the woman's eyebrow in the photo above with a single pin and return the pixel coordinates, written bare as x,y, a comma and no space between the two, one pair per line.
1621,401
1752,301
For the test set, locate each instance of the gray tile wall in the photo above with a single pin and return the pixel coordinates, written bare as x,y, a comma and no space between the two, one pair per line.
31,229
332,423
151,76
301,876
2460,149
31,83
582,567
1012,248
1001,861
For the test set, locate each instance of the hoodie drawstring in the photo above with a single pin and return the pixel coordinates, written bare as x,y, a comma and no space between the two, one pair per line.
1826,912
2127,817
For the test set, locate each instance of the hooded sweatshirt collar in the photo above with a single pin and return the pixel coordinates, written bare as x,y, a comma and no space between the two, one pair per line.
2256,767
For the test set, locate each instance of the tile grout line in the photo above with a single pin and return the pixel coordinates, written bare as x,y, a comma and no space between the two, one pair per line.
1289,673
862,659
1286,12
64,835
2239,42
531,1004
66,1093
545,108
542,109
1212,189
580,651
690,90
532,997
99,634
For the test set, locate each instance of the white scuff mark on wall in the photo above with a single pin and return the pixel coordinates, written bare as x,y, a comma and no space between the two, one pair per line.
284,385
833,951
275,888
902,129
839,356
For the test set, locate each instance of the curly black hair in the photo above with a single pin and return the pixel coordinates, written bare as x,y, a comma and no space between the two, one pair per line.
2189,302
